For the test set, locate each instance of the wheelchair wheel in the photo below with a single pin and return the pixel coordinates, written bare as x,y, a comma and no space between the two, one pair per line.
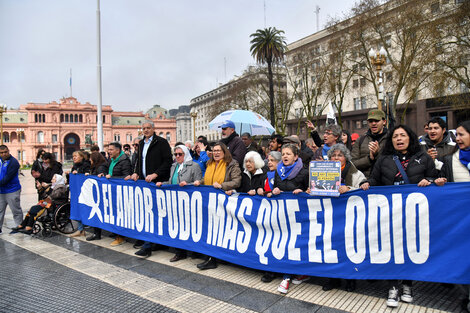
46,232
62,220
36,228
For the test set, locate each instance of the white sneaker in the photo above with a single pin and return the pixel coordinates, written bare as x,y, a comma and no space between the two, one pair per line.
300,279
284,286
392,300
407,294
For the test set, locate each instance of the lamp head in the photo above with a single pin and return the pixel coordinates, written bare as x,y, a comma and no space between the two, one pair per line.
383,52
371,53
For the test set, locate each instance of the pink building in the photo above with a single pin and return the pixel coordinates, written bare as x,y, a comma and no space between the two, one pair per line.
68,125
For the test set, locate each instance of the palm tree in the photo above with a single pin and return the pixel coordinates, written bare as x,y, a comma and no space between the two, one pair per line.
267,47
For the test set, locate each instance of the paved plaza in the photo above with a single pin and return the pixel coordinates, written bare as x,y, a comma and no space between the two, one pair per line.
62,274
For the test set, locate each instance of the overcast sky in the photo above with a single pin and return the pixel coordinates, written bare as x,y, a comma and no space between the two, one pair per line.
153,51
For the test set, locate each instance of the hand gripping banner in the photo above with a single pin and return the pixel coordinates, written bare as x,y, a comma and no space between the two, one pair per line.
392,232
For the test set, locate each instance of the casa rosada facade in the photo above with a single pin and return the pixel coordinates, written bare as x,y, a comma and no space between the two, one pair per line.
68,125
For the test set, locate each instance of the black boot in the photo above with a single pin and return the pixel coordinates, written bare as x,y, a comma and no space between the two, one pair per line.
144,252
208,264
332,284
267,277
350,285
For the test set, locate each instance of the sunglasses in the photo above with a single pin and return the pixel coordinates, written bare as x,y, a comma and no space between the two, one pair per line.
179,154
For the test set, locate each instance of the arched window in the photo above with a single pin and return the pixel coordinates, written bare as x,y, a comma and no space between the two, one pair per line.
80,118
35,118
62,118
66,118
128,137
44,118
160,134
168,137
40,137
76,118
6,137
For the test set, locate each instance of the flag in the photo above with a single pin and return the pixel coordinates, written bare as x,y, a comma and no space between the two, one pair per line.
330,116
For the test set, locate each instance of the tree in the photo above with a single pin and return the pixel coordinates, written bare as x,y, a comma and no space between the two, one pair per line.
268,47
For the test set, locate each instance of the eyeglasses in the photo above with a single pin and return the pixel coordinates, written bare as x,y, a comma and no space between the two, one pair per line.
179,154
328,133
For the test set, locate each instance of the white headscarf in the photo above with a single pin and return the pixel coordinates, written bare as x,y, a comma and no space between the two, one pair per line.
187,156
59,181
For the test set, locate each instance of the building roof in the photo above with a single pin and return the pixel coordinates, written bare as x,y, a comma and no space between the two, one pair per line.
157,110
127,120
15,118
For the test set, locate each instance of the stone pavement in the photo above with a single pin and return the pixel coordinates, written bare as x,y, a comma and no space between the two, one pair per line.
61,274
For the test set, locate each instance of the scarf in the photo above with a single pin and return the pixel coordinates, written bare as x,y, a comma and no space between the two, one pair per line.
114,162
269,181
324,152
59,181
289,171
344,172
404,160
464,157
187,157
215,173
174,179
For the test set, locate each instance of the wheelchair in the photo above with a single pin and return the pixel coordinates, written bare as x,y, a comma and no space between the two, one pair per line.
58,219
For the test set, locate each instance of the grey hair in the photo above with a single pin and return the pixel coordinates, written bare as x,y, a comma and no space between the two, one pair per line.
276,155
341,148
336,131
190,142
148,122
259,163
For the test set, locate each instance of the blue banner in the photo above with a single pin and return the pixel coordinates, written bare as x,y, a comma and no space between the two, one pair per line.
404,232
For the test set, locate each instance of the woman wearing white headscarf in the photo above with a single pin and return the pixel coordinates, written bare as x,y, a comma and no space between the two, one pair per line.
53,195
183,172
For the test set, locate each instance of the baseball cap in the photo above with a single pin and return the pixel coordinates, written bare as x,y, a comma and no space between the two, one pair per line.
376,114
227,124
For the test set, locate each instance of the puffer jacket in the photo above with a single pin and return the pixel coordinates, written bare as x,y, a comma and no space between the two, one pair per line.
420,166
122,168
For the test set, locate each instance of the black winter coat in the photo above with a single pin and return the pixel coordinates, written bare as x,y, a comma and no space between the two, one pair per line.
420,166
122,168
236,147
254,182
100,169
158,159
82,167
298,182
48,173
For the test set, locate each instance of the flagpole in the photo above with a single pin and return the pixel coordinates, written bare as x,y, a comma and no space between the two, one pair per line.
99,121
70,83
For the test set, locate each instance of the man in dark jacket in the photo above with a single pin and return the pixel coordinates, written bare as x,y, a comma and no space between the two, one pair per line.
153,164
233,142
154,157
366,149
437,142
10,188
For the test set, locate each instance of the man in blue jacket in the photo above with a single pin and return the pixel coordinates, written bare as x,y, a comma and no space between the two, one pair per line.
10,188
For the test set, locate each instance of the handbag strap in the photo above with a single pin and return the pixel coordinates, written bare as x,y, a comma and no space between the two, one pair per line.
401,169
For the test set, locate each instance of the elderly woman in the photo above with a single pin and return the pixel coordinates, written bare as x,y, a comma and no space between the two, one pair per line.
351,178
54,194
254,175
183,172
290,175
274,157
222,172
81,165
402,162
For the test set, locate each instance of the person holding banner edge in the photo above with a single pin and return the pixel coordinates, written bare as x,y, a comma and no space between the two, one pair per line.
402,161
183,172
222,172
456,168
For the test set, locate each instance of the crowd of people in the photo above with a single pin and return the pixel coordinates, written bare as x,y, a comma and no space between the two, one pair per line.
237,164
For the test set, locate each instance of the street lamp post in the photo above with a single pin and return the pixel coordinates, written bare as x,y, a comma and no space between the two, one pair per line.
194,115
20,132
3,109
378,59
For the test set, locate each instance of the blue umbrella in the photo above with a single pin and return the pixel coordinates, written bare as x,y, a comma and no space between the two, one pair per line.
245,122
